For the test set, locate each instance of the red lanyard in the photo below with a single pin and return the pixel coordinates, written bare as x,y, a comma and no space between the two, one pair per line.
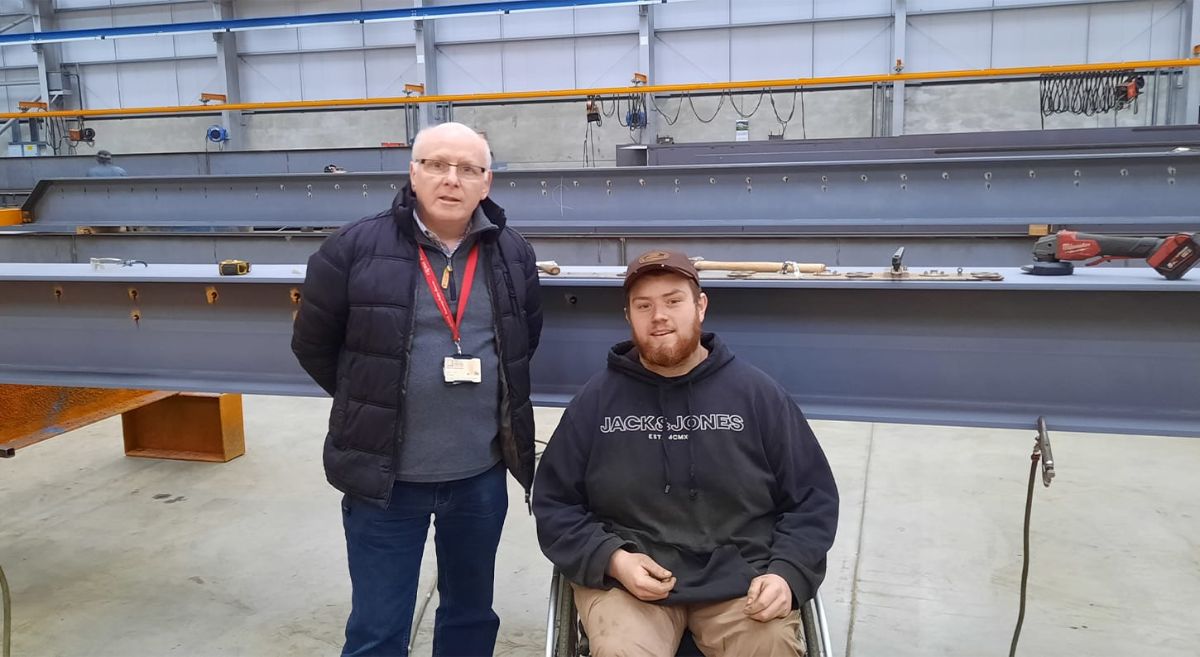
438,297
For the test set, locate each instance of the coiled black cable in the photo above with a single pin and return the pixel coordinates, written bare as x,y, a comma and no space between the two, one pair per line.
1088,93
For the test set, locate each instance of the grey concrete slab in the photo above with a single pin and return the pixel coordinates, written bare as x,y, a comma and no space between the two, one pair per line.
112,556
1113,545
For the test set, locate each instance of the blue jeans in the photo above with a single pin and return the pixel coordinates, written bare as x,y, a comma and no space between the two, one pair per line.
384,547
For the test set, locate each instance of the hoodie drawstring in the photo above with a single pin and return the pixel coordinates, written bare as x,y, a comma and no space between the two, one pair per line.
693,489
662,412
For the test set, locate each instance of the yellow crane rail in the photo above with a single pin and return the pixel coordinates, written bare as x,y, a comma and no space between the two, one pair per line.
830,81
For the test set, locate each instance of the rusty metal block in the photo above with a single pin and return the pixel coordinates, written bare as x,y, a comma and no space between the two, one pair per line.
187,426
31,414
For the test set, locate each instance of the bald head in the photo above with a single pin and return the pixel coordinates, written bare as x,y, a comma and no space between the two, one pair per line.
455,135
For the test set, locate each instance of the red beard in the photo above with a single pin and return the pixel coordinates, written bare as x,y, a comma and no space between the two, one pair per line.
687,340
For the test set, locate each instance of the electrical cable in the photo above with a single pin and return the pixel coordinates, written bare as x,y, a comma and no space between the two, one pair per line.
669,121
1033,468
720,104
1086,93
7,639
753,111
783,123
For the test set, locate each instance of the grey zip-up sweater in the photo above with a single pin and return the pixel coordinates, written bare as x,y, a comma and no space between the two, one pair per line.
452,434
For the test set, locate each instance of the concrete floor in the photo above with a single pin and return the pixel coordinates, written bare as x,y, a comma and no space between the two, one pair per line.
109,555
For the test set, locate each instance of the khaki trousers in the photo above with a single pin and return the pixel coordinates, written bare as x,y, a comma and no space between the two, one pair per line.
620,625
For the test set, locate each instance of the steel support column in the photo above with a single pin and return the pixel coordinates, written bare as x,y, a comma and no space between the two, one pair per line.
49,57
899,41
425,38
227,66
646,66
1191,48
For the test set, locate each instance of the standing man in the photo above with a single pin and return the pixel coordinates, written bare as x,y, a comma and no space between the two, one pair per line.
105,168
420,322
683,488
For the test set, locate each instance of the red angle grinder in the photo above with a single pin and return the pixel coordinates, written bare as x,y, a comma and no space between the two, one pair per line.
1170,256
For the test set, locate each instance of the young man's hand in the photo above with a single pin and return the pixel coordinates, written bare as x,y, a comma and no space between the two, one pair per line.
769,597
640,575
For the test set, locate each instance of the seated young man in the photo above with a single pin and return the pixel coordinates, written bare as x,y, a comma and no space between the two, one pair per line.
683,488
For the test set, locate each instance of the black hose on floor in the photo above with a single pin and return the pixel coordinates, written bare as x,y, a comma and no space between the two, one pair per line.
1033,467
7,615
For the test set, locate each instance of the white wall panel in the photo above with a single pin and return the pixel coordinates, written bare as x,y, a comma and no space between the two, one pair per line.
1166,19
86,51
269,77
606,19
349,35
260,41
544,64
694,13
333,75
694,56
770,52
606,61
193,44
842,8
100,87
765,11
1119,32
537,24
197,76
469,28
388,33
21,55
943,42
1040,37
391,33
917,6
148,84
80,4
859,47
143,47
469,68
388,70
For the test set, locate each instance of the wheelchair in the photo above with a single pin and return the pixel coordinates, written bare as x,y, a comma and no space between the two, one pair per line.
565,636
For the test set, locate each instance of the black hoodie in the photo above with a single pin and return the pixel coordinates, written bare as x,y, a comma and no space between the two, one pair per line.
714,474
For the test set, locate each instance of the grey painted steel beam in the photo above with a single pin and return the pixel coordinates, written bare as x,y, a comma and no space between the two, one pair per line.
998,195
262,247
1103,351
21,174
1015,142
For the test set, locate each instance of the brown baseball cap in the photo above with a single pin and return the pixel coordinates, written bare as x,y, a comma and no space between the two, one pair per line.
658,260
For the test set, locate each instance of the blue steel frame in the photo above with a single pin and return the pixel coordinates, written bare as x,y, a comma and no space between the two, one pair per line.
267,22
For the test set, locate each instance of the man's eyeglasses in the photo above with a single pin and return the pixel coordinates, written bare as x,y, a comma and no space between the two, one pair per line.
440,168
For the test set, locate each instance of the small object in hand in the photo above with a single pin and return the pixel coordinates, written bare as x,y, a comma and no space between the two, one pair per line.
233,267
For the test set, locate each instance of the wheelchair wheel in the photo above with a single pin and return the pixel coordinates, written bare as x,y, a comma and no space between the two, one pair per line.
567,643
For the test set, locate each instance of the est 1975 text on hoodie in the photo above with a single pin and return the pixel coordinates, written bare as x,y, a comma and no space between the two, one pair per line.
714,474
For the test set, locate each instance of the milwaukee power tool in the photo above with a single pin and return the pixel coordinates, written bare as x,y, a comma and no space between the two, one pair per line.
1170,256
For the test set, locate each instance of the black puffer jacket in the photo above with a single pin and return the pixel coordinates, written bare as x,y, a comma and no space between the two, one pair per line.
353,336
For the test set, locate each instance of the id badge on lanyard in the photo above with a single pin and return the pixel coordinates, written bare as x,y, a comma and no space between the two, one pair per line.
457,368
